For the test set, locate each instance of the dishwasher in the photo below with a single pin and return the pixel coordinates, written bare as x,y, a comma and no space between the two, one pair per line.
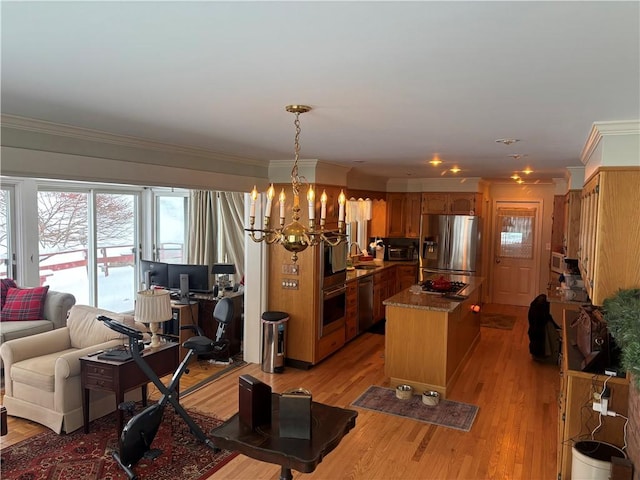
365,303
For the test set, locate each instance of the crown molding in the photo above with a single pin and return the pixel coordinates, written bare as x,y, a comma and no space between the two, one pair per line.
69,131
603,129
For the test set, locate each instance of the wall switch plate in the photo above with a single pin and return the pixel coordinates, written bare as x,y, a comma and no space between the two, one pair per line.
290,269
290,284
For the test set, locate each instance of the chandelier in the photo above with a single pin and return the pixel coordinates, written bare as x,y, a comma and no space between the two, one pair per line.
294,236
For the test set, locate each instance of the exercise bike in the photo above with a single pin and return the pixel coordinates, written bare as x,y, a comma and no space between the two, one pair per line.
139,432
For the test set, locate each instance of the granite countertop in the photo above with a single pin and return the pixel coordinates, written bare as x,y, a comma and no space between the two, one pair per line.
434,302
377,266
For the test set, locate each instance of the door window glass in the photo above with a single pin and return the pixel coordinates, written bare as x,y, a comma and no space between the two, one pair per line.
516,226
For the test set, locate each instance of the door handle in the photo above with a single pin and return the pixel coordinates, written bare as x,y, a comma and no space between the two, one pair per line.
497,260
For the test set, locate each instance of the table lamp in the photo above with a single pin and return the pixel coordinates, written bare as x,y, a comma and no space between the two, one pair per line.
223,270
153,307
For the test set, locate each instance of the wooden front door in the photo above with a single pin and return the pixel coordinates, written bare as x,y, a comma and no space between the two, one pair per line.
516,240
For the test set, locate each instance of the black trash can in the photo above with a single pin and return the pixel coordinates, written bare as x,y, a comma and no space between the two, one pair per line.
274,340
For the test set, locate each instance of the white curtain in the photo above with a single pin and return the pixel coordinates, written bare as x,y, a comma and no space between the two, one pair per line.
216,231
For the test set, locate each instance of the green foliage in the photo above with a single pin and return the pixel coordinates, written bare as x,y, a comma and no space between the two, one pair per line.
622,314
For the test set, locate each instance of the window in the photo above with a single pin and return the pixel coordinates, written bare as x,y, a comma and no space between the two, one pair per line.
7,239
171,227
87,242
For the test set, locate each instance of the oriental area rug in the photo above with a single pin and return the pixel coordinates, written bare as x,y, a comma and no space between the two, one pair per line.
80,456
447,413
497,320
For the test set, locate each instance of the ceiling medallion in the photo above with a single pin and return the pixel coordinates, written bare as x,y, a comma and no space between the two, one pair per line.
507,141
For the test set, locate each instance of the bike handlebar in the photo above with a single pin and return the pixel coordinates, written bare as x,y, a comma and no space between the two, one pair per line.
121,328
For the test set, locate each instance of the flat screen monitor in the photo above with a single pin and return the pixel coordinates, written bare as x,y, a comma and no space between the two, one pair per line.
154,273
198,277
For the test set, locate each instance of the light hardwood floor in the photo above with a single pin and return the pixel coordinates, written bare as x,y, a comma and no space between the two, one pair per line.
514,435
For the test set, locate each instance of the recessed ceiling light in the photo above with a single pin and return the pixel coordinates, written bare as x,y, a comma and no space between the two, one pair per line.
517,156
519,181
507,141
435,162
515,176
527,171
454,170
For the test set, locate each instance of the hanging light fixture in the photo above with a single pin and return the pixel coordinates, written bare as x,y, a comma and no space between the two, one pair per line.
294,236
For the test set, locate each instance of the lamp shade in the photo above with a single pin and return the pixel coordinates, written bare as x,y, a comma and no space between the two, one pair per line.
153,306
223,269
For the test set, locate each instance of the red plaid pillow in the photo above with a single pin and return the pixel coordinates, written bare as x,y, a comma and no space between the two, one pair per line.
24,304
5,285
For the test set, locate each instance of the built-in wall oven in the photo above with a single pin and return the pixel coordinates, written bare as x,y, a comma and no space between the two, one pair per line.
333,292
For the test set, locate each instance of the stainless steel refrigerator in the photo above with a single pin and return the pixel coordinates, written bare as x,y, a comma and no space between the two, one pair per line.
449,243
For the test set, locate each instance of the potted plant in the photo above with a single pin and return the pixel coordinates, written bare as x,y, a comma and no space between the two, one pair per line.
622,314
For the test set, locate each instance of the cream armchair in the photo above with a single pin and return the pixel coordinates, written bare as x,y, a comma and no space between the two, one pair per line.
42,372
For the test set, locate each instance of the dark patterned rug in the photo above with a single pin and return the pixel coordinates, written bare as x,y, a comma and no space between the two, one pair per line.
497,320
446,414
80,456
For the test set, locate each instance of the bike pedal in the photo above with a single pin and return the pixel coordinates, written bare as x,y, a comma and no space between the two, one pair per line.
152,453
127,406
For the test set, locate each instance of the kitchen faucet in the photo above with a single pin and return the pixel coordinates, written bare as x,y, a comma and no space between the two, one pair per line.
358,251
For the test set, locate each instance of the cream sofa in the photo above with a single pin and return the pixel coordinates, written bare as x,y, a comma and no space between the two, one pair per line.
42,372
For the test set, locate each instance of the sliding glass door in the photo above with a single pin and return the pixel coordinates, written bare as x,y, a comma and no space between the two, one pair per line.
88,242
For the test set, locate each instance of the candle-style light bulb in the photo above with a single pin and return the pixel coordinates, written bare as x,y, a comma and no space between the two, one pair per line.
323,205
254,197
341,201
281,200
271,192
311,197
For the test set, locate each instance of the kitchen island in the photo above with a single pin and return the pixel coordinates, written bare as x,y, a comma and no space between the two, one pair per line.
429,337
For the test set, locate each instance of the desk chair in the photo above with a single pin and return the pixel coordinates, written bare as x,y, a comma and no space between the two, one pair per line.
223,313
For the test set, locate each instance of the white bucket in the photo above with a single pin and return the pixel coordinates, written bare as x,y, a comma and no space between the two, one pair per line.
591,460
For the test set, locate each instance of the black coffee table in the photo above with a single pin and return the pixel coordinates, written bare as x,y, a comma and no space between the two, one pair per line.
328,426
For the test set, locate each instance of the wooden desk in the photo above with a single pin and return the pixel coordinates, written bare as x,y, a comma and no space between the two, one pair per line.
121,377
328,426
3,421
182,314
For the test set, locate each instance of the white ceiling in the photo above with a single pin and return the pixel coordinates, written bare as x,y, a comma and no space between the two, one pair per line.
391,83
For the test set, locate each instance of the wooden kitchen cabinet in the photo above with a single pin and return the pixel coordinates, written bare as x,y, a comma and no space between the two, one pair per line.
351,316
459,203
406,275
609,230
378,223
403,214
575,399
572,223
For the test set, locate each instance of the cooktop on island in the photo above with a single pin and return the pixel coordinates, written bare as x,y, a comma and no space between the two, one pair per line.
453,287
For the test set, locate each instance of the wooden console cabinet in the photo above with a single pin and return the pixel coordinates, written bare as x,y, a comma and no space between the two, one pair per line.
576,417
182,315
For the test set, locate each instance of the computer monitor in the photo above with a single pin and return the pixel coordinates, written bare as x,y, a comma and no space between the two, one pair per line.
154,273
198,276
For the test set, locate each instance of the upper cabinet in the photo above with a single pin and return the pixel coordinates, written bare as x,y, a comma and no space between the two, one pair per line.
403,215
609,232
460,203
572,223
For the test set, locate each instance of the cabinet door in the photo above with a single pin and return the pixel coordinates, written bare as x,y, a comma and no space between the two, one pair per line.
437,203
406,275
378,224
395,214
572,223
462,203
351,318
413,205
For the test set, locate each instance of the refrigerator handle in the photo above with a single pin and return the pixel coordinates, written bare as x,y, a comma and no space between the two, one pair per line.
447,243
